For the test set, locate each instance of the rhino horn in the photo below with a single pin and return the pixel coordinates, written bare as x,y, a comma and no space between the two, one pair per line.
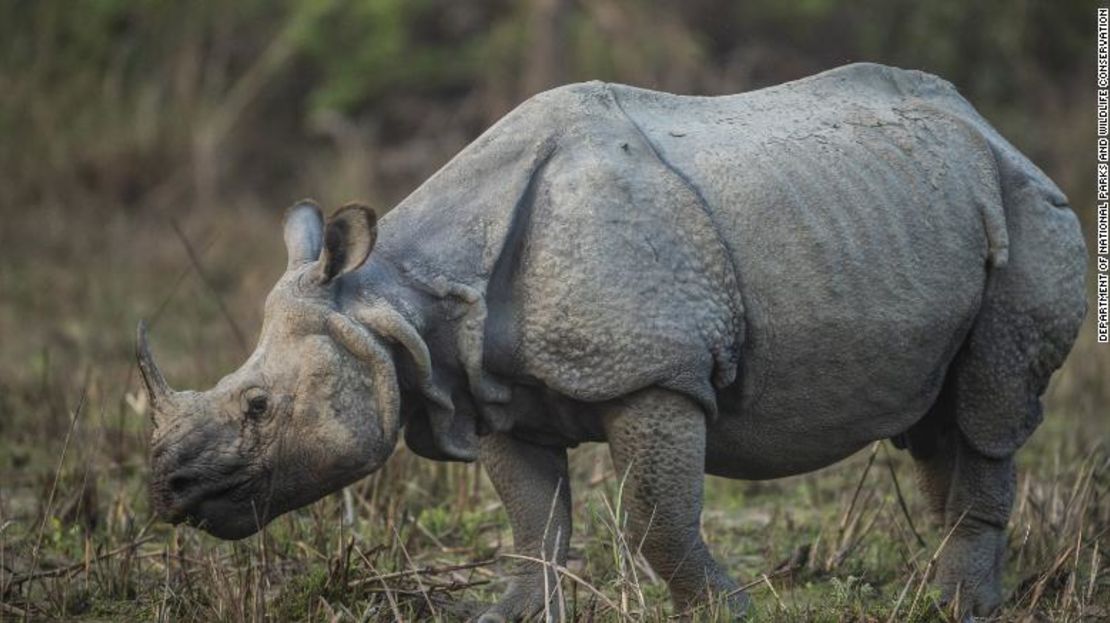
157,390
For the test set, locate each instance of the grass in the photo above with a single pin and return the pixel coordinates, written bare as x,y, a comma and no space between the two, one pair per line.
425,537
421,540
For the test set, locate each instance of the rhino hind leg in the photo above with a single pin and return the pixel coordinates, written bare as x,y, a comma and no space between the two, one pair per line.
532,483
969,496
964,447
657,441
932,442
980,495
991,402
952,479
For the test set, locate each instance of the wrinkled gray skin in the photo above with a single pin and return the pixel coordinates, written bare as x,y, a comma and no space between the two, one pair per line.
749,286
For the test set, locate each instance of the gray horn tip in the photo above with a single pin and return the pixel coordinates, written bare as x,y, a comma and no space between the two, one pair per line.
156,386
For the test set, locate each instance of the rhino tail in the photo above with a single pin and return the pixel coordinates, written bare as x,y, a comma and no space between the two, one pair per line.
1032,308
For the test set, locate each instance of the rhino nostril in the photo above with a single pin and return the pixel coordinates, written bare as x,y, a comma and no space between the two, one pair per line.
180,483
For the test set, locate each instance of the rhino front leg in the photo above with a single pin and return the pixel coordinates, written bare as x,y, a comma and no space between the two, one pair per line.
657,440
981,493
532,483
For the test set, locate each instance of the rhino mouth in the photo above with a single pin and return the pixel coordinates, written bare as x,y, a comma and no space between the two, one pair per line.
215,507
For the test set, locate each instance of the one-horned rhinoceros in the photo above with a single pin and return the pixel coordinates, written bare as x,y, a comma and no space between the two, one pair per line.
749,286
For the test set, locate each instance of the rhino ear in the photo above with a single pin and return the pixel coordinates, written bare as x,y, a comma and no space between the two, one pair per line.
304,232
348,239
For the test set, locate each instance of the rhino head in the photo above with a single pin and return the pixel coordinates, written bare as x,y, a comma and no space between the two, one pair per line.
314,408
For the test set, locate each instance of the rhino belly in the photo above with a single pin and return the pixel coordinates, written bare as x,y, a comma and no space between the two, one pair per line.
837,358
823,378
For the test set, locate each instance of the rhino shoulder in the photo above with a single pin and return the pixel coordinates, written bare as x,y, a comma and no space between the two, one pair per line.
618,277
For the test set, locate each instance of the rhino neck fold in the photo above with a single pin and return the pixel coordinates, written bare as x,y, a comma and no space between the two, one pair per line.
439,327
436,259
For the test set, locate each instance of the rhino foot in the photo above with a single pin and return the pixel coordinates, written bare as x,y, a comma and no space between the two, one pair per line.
970,571
523,600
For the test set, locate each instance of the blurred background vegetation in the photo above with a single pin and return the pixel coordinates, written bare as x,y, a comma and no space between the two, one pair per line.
136,105
148,148
132,114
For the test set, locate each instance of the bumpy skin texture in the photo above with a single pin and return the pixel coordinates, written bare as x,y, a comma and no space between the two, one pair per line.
752,286
663,493
532,481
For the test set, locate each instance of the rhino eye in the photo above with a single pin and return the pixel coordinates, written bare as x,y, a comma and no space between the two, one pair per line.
255,403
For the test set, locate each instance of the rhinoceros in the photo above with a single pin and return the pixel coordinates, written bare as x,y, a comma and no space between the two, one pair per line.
749,286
